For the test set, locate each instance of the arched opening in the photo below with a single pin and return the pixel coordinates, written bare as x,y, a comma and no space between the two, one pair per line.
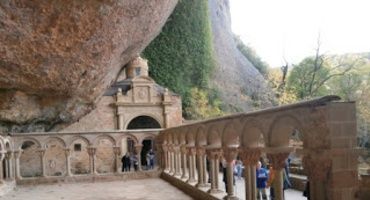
148,153
55,158
104,155
143,122
80,157
30,160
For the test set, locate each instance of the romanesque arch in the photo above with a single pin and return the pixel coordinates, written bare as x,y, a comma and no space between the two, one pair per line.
55,157
105,157
80,160
31,158
143,122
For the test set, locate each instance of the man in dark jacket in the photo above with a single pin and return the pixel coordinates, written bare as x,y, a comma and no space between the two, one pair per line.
126,162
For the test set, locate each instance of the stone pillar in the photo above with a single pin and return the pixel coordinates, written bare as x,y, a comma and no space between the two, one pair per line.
191,152
250,157
120,121
230,155
117,160
42,155
8,162
177,155
183,162
317,166
2,157
200,157
277,160
68,161
214,156
17,155
138,149
92,156
166,158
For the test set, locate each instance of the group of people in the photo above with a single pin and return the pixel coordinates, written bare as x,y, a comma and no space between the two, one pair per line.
264,178
131,159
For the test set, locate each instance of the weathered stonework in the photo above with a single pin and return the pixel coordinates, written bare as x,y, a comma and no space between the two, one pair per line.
57,58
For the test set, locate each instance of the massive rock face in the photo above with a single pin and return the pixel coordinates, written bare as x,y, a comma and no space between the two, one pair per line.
58,57
239,82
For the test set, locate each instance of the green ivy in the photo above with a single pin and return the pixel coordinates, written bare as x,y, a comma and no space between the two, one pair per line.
181,57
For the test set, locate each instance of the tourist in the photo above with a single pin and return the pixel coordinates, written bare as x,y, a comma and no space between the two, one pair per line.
126,162
239,169
262,177
135,161
150,159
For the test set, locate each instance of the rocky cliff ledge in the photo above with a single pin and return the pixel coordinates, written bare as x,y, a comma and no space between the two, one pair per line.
57,57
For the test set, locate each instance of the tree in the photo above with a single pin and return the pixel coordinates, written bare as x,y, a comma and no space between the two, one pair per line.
308,78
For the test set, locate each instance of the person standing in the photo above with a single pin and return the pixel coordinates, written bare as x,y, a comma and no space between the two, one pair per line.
261,176
135,161
150,159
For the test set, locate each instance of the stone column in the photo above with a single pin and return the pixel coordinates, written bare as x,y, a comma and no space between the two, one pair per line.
230,155
138,149
214,156
68,161
183,162
42,155
318,168
200,157
277,160
17,155
120,121
117,154
8,167
2,157
191,152
250,157
177,156
166,159
92,155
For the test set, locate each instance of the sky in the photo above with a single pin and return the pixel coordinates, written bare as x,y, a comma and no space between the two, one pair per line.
289,29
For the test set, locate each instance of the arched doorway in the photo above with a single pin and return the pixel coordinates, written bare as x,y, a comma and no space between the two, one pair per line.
144,122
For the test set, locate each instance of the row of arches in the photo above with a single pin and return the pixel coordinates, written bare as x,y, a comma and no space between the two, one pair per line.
69,154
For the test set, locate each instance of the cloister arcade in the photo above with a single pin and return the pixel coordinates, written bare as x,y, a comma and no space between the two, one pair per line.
44,156
328,131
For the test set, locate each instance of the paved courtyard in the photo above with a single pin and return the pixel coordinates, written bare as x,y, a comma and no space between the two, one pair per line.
148,189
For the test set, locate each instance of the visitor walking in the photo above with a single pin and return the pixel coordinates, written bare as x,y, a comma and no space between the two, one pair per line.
262,177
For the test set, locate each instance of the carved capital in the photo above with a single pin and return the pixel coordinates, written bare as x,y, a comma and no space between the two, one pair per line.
9,155
201,151
317,166
91,151
192,151
183,149
230,154
67,152
277,160
117,150
164,148
18,154
214,153
250,156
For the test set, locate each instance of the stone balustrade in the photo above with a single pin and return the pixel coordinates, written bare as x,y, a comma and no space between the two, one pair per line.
327,130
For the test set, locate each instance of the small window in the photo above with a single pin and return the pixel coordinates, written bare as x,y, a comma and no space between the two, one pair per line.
77,147
137,71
